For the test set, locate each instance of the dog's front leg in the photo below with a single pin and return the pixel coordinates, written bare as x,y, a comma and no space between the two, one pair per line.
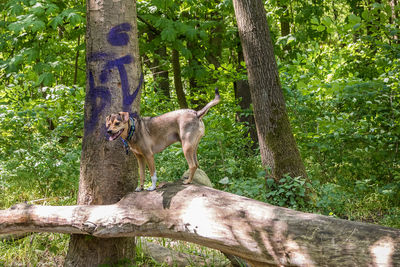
142,173
152,168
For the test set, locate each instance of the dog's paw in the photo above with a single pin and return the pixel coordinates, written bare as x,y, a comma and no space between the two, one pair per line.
186,181
151,188
138,189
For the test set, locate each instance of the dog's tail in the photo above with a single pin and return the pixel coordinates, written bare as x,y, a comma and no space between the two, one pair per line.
215,101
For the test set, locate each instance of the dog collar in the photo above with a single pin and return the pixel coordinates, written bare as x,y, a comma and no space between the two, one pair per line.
130,134
131,129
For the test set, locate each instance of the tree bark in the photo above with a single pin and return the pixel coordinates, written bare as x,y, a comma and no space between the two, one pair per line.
160,73
180,94
242,94
272,121
284,18
77,60
262,234
113,84
393,17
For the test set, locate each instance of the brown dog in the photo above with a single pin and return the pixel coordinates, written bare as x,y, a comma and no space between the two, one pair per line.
150,135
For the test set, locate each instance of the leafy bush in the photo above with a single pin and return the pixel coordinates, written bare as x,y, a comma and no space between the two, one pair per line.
40,150
289,192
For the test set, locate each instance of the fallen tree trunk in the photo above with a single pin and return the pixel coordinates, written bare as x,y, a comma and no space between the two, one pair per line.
257,232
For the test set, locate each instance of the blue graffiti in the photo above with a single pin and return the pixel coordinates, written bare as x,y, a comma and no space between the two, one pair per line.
100,56
129,98
100,96
96,92
119,64
118,35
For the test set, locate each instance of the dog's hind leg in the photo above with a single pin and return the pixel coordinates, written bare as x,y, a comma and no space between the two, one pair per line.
152,168
190,154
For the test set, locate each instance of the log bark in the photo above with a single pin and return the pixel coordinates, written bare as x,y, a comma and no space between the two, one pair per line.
260,233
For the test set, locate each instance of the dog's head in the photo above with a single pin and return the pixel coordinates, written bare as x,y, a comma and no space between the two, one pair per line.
117,125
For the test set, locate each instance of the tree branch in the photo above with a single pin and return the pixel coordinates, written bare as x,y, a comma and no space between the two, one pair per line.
149,25
257,232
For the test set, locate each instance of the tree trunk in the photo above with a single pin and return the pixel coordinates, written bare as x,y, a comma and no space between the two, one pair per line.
196,89
77,60
262,234
284,18
284,21
180,94
393,17
242,93
159,72
272,121
216,37
113,84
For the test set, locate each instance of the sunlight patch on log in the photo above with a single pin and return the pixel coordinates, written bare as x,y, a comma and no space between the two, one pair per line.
107,213
382,251
297,255
199,219
51,212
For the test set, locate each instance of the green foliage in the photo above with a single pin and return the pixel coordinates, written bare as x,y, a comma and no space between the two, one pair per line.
343,97
35,250
39,145
289,192
249,187
38,40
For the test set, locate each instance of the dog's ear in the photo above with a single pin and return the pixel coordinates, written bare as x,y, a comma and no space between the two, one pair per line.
108,120
124,116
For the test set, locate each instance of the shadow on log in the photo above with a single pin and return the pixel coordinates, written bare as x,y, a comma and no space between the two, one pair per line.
260,233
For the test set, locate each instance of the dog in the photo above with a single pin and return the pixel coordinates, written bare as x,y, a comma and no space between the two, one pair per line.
150,135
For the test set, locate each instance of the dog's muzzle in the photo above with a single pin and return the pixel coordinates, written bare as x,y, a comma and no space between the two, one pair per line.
114,136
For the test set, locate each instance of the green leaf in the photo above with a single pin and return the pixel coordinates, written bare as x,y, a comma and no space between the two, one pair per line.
356,26
37,9
327,21
74,18
17,9
46,78
16,27
38,26
191,33
168,34
32,54
56,21
321,28
315,21
186,52
366,15
224,181
51,9
353,19
291,39
270,182
262,173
